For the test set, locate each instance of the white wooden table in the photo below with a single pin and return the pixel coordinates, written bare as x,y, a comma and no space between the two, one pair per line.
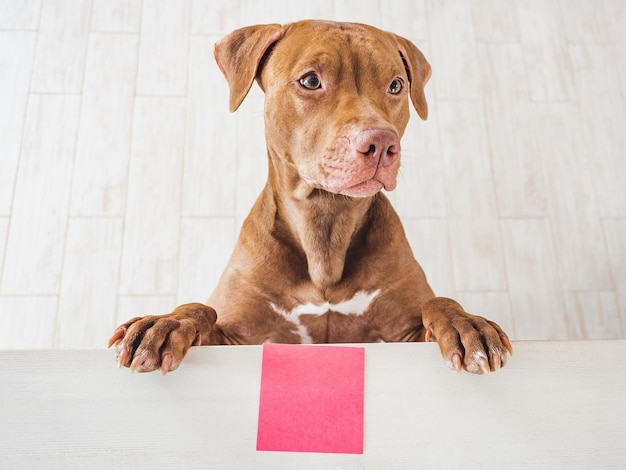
556,405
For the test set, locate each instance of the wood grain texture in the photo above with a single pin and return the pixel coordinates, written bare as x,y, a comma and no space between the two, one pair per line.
62,42
16,54
151,237
164,48
103,145
34,254
90,272
116,16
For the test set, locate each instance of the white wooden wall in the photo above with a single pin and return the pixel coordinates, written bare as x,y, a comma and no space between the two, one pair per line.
124,179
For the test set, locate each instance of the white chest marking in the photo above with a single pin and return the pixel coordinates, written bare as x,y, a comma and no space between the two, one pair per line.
357,305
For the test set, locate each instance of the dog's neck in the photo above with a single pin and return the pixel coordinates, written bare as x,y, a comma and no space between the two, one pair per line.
323,224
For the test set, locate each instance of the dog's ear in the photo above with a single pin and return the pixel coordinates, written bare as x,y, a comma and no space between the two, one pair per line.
418,69
239,54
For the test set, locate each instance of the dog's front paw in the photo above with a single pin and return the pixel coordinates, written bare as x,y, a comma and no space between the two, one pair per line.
466,341
144,344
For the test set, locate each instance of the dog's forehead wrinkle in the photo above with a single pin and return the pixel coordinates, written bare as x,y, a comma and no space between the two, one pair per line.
349,46
325,59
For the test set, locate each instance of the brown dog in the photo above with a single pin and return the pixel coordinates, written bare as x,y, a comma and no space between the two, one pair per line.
322,257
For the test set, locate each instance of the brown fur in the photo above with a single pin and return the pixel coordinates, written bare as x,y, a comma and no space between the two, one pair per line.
321,231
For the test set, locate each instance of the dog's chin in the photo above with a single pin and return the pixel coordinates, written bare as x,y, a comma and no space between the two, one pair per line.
364,189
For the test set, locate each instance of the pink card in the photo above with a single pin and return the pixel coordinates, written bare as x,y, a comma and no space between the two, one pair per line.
311,399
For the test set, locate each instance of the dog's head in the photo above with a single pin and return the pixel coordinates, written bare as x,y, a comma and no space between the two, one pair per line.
336,98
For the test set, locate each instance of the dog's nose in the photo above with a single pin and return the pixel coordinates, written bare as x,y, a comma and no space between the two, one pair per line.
379,146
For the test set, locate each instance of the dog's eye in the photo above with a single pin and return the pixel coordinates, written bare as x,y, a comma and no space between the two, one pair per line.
311,81
395,87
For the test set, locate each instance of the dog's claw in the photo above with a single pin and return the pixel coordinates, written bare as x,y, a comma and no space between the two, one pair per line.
117,336
455,362
496,362
136,364
122,357
430,335
507,343
483,364
166,363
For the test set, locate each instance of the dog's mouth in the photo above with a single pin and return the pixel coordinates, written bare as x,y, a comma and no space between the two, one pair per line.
365,188
353,174
366,182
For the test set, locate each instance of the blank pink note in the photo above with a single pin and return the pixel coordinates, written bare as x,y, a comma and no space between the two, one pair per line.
311,399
